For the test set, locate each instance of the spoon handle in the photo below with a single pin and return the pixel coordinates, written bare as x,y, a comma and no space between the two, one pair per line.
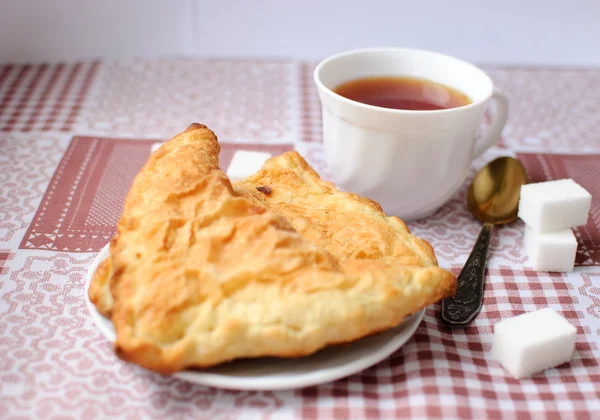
461,309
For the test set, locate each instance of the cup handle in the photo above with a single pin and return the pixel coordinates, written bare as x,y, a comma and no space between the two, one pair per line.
498,121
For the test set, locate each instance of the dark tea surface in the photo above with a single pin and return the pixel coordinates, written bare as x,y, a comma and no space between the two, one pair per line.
408,93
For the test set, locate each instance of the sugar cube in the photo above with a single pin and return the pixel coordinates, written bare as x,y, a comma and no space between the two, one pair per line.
552,251
554,205
534,341
244,163
155,147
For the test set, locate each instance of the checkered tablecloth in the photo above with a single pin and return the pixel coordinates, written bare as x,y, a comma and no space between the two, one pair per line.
72,136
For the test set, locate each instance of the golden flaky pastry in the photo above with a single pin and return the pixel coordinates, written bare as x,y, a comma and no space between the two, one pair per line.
283,264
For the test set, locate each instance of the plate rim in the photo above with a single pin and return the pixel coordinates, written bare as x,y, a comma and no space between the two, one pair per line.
250,383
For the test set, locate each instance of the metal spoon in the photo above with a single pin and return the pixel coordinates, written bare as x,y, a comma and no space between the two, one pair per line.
493,198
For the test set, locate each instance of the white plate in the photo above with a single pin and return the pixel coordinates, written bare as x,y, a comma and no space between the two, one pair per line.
274,374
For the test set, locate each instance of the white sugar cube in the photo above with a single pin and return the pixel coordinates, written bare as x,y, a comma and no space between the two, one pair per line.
155,147
552,251
244,163
531,342
554,205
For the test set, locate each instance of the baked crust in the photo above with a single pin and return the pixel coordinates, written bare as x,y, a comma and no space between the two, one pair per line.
345,224
282,265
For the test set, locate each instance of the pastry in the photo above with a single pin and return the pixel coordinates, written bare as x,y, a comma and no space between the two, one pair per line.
282,264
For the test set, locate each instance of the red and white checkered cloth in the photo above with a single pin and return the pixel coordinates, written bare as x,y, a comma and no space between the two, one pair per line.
72,136
44,97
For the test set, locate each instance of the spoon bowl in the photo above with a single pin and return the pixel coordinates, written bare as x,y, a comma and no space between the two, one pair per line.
493,198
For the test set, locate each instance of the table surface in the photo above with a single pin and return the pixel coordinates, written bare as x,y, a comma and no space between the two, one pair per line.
72,136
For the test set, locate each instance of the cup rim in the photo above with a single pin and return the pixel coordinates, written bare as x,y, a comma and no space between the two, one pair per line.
393,111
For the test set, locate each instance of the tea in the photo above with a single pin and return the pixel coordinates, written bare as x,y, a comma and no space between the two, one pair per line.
408,93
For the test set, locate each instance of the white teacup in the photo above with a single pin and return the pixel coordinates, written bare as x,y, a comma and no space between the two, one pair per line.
411,162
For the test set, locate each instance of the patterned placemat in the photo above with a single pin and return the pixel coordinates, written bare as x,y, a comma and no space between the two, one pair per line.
84,200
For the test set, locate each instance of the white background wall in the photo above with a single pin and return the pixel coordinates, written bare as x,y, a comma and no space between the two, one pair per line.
507,31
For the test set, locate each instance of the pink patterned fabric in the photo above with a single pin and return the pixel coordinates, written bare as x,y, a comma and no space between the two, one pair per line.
73,136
